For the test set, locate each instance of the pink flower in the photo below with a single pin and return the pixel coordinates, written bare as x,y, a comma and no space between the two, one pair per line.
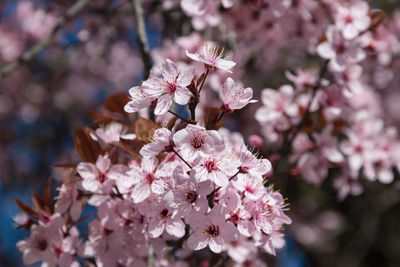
189,196
211,230
196,141
249,163
147,179
139,100
112,132
347,183
340,51
237,214
278,107
161,140
69,197
172,83
218,168
251,187
99,178
166,219
49,246
234,96
212,57
303,79
352,20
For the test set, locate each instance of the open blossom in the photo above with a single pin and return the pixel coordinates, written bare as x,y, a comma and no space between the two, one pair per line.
234,96
217,168
352,20
49,246
69,197
112,132
278,107
146,178
172,83
250,186
100,177
212,56
166,219
161,140
190,196
196,141
211,230
340,51
139,100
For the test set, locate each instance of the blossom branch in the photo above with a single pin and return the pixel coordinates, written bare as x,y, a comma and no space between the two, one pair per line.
178,116
287,145
36,49
179,156
142,36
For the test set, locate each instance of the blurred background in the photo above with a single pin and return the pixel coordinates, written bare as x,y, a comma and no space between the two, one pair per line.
95,53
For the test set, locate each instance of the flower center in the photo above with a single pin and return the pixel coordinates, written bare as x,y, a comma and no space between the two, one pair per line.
213,230
249,189
45,218
191,196
197,143
234,217
340,49
57,251
210,165
164,213
42,244
150,178
349,19
172,88
102,177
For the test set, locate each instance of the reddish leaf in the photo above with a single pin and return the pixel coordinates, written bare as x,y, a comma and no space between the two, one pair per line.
100,116
47,192
192,88
38,202
87,148
144,129
28,210
171,123
132,146
64,165
211,119
116,102
377,17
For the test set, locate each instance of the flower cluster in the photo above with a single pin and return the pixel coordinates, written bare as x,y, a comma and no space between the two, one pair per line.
335,123
162,191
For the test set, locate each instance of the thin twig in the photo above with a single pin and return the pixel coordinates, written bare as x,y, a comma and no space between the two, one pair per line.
176,153
179,116
32,52
287,144
141,37
203,81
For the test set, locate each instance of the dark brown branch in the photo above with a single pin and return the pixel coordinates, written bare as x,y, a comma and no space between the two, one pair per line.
179,156
32,52
287,144
141,37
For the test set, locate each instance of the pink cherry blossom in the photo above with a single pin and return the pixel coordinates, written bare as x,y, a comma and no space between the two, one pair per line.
161,140
99,178
218,168
212,56
139,100
211,230
234,96
353,20
172,83
195,141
